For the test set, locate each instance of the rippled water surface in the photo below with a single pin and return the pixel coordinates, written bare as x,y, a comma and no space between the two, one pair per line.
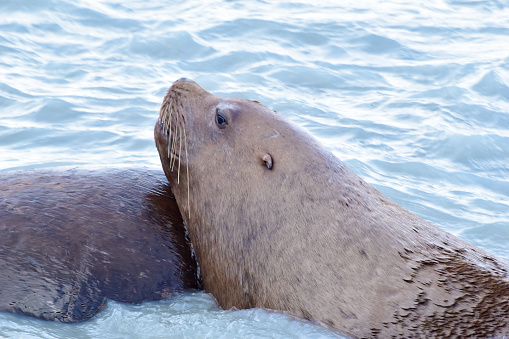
413,96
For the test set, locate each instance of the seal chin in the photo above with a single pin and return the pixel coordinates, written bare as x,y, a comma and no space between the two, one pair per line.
161,138
159,132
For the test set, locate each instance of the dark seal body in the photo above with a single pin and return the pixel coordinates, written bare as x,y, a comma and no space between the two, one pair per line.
71,239
278,222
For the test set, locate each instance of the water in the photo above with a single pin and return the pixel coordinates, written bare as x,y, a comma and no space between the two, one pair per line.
413,96
192,315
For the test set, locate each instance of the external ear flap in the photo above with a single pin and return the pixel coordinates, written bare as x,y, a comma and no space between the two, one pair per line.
266,160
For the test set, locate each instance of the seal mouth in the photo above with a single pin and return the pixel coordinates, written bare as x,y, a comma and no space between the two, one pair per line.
172,125
172,145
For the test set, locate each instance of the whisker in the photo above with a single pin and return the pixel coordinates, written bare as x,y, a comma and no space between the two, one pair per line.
180,153
187,171
170,154
168,147
168,117
174,143
174,127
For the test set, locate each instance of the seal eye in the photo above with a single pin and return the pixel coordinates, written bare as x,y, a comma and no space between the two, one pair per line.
221,121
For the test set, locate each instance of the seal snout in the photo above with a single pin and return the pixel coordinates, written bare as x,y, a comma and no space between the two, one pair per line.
184,83
188,87
184,80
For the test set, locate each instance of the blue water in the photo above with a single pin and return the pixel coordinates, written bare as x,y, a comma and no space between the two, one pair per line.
413,96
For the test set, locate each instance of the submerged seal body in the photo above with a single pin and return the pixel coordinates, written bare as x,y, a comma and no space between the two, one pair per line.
72,239
278,222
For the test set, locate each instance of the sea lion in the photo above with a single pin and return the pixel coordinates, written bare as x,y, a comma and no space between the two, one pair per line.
72,239
278,222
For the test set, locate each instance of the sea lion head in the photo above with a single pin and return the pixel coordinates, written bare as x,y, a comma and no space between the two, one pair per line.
211,146
239,172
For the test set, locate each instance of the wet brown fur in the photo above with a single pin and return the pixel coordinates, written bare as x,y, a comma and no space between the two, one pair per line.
72,239
309,237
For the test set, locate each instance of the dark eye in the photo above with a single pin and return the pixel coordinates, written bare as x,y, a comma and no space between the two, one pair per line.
221,121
